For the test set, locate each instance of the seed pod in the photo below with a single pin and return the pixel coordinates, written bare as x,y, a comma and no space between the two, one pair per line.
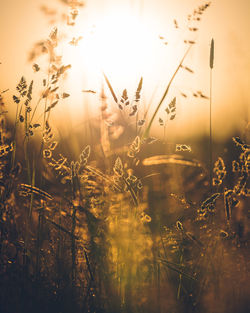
212,54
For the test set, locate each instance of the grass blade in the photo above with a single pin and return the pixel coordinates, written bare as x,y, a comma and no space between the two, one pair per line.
170,266
146,133
110,88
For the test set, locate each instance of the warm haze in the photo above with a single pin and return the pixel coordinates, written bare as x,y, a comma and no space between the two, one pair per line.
124,156
122,38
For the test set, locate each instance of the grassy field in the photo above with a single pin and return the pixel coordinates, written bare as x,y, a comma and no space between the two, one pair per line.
116,220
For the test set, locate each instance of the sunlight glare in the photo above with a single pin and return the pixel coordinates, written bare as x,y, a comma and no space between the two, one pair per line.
120,44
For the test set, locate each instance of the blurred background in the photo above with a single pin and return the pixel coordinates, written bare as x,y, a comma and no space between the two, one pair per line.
78,233
130,39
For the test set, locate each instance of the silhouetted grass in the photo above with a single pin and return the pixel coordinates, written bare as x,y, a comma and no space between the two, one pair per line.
129,225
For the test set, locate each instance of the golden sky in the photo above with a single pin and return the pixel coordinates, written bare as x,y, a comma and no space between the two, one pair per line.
227,21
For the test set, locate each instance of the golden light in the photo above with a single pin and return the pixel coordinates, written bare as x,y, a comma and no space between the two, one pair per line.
121,44
124,198
126,33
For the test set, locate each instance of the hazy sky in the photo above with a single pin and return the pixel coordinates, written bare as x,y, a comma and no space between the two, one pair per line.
227,21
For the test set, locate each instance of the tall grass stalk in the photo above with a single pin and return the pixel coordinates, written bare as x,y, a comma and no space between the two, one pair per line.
13,155
32,185
146,133
73,227
211,64
38,241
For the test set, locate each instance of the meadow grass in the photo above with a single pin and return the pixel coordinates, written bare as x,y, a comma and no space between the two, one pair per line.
121,228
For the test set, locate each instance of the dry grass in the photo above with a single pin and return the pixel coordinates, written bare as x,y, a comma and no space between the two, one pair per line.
128,226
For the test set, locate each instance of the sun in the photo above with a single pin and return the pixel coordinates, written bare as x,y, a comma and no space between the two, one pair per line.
121,44
126,46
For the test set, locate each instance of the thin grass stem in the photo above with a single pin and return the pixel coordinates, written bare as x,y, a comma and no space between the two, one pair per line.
146,133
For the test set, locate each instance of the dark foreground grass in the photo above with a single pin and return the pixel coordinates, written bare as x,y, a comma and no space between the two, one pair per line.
145,235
